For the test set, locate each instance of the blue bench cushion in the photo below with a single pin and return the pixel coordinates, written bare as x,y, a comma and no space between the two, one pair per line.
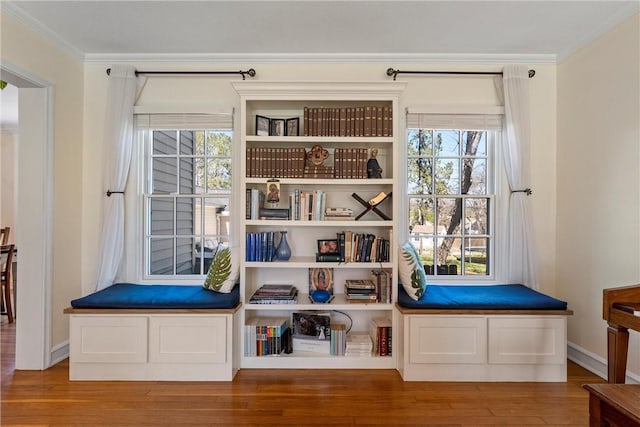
129,295
481,297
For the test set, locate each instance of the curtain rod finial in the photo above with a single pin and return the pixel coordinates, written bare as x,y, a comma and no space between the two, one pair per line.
532,73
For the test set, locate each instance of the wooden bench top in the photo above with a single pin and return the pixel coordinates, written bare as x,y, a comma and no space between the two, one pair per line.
432,311
71,310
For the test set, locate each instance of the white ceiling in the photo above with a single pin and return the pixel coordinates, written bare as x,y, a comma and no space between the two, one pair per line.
542,31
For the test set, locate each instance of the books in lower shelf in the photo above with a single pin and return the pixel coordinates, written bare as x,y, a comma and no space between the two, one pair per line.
267,336
311,332
358,344
381,336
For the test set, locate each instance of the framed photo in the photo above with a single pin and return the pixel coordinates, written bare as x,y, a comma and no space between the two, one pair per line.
293,126
321,279
273,191
277,127
328,246
262,125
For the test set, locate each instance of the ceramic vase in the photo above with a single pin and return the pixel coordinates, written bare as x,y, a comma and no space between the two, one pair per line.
283,252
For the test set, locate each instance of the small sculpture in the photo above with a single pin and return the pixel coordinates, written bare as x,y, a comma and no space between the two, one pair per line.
373,168
317,155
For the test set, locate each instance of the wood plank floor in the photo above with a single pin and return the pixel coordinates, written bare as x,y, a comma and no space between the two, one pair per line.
285,398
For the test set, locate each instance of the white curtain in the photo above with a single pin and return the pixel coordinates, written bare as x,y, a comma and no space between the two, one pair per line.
123,89
520,252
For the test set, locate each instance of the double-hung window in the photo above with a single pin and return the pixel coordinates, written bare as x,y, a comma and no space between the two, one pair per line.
187,196
451,189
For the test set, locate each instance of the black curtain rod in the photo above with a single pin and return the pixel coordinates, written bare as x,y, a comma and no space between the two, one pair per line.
394,73
250,72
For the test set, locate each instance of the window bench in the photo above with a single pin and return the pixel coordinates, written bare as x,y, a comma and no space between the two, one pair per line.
447,341
154,342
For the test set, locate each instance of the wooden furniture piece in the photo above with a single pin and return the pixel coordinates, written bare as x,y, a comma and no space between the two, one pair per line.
5,280
482,345
324,110
621,310
4,235
153,345
614,405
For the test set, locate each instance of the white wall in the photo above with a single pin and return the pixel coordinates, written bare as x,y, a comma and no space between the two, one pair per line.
33,54
598,182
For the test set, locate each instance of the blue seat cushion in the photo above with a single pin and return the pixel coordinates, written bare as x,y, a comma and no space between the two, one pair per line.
481,297
129,295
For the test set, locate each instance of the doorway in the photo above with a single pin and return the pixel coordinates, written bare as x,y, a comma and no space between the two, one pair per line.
33,217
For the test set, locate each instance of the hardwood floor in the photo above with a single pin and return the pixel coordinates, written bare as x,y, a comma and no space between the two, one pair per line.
285,397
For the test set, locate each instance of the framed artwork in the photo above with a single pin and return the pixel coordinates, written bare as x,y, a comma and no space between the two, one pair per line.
328,246
262,125
277,127
321,279
293,126
273,191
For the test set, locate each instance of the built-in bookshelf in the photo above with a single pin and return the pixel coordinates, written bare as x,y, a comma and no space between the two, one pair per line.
307,172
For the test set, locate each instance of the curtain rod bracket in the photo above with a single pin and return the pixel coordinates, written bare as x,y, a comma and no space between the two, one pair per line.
394,73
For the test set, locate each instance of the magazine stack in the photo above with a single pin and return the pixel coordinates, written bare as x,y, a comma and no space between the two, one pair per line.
358,344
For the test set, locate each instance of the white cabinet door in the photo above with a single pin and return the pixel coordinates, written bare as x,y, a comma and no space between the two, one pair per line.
109,339
187,339
445,339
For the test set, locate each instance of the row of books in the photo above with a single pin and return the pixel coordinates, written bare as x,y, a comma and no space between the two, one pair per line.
363,247
381,336
308,205
275,294
382,280
367,120
338,339
260,246
267,336
358,344
266,162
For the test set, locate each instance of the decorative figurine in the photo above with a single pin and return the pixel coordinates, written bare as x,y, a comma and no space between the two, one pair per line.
373,168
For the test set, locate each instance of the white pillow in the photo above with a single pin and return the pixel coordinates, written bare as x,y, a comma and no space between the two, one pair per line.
223,272
411,271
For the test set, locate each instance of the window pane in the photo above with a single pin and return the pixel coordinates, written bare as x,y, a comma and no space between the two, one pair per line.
161,257
481,146
186,175
187,142
474,170
476,216
421,215
164,141
447,176
185,216
185,254
447,143
161,216
419,176
419,142
476,251
165,172
448,216
218,143
218,175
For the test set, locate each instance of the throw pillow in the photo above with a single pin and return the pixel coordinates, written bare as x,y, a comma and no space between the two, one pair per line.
411,271
223,271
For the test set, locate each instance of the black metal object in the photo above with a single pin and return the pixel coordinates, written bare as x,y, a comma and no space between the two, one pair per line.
370,207
250,72
394,73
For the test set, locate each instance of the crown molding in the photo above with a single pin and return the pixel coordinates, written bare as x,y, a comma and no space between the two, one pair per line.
395,58
42,30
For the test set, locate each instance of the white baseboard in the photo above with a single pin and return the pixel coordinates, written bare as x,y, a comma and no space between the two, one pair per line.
594,363
59,353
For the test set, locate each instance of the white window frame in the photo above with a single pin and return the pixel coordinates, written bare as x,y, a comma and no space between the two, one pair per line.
134,266
468,118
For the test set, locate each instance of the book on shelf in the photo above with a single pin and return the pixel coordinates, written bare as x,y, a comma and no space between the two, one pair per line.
311,345
254,202
358,344
327,257
311,332
338,339
273,213
271,162
267,336
382,280
275,294
260,246
381,336
363,247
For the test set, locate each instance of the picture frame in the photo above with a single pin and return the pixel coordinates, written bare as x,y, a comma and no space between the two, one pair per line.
321,279
278,127
293,126
272,192
263,125
328,246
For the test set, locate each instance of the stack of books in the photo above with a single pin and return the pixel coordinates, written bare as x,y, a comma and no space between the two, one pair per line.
275,294
358,344
361,291
338,214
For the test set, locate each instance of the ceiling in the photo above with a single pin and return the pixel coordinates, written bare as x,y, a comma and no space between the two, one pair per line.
348,30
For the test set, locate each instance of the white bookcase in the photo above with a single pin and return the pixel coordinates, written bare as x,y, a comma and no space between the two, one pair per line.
284,100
